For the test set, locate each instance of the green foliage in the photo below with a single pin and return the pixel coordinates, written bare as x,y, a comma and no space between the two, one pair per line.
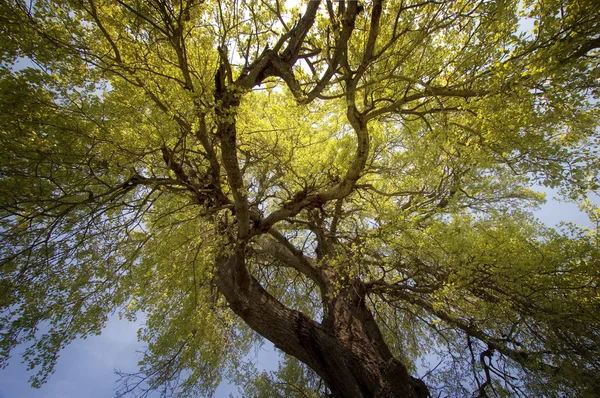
400,153
291,379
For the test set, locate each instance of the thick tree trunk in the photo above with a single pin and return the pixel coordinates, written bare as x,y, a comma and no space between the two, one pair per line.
346,350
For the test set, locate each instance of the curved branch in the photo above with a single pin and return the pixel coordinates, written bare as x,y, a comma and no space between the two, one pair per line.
523,358
281,249
340,53
428,92
338,191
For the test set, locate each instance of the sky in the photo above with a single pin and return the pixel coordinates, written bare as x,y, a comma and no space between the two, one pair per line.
86,368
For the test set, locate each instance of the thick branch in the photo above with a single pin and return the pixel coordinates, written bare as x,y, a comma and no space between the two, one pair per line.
298,34
339,191
227,103
270,63
280,249
290,330
215,168
370,47
340,53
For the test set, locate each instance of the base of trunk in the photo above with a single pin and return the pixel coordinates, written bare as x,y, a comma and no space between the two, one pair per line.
347,350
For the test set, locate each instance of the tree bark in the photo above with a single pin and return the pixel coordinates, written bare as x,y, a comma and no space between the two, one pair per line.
347,349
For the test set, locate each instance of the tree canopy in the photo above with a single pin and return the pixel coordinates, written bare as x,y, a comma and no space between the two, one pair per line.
352,181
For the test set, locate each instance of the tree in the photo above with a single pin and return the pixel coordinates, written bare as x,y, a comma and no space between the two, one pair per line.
349,180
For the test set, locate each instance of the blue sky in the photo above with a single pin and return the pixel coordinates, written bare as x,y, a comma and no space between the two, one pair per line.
86,367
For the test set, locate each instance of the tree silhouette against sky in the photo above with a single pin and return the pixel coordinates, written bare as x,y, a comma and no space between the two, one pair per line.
349,180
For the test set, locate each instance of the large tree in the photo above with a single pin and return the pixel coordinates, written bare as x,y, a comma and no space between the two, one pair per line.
349,180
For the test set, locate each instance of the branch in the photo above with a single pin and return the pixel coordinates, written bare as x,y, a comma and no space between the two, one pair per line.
281,249
290,330
523,358
227,133
215,168
339,191
582,51
428,92
340,52
270,63
94,13
370,46
298,34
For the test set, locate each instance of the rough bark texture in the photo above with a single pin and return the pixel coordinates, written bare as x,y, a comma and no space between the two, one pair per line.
347,350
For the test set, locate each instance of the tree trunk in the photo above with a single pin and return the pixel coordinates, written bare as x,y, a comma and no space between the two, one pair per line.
347,350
